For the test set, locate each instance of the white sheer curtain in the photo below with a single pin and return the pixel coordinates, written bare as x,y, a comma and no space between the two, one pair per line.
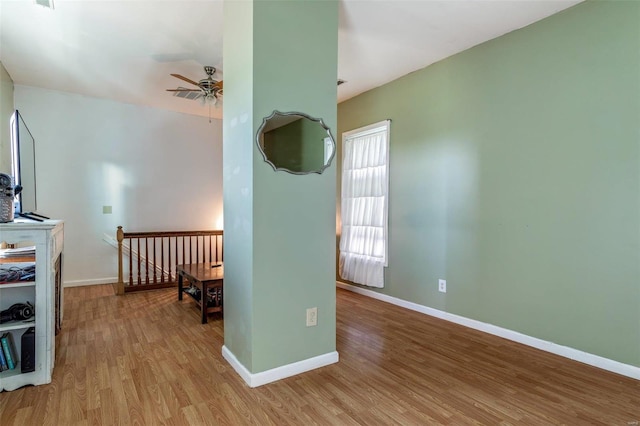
365,186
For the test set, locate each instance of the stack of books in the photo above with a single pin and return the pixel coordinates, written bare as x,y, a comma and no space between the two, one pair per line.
10,253
8,359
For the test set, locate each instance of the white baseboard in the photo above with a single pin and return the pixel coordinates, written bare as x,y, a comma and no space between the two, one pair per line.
264,377
96,281
564,351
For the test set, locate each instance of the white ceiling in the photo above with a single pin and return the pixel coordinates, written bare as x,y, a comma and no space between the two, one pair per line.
125,50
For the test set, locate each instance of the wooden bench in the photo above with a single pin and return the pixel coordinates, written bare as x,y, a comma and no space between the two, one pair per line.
204,276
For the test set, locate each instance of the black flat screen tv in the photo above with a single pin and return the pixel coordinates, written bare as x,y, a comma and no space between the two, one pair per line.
23,168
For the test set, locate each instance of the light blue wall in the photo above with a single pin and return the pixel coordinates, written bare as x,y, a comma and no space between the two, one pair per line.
6,109
515,175
93,152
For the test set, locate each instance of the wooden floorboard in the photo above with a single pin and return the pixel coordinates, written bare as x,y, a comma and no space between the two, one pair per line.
145,359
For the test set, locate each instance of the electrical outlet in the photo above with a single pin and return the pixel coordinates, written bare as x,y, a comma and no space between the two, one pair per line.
442,286
312,317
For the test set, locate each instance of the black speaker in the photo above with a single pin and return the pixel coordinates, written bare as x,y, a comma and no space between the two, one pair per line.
28,351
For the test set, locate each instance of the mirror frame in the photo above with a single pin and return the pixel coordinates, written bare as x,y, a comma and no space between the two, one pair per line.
265,120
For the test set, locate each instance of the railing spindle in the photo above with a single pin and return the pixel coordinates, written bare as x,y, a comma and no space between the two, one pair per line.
183,262
175,246
130,264
162,260
210,249
146,261
139,277
154,263
169,259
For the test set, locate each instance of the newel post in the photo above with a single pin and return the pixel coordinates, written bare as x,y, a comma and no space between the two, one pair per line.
120,237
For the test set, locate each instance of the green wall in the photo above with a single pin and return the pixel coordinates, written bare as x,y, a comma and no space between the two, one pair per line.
237,173
515,175
279,228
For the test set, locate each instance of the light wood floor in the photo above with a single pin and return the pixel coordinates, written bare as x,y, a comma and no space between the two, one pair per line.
145,359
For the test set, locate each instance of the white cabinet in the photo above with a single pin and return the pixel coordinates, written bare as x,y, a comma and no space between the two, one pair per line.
44,292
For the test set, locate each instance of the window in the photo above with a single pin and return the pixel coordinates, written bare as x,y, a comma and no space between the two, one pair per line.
365,187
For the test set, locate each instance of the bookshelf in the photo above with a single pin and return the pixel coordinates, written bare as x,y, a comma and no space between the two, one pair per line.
44,292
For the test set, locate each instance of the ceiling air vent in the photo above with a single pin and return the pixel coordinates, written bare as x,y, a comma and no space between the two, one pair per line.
44,3
186,95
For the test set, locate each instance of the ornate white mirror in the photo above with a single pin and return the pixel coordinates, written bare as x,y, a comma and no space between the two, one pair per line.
295,142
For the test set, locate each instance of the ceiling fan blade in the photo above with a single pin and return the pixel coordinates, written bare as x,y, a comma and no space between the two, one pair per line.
183,90
183,78
218,85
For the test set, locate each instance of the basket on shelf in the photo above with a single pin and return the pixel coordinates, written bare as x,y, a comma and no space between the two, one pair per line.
7,195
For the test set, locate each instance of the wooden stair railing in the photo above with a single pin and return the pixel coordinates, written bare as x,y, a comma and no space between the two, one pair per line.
153,256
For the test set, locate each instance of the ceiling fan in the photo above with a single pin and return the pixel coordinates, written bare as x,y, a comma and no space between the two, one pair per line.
209,90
